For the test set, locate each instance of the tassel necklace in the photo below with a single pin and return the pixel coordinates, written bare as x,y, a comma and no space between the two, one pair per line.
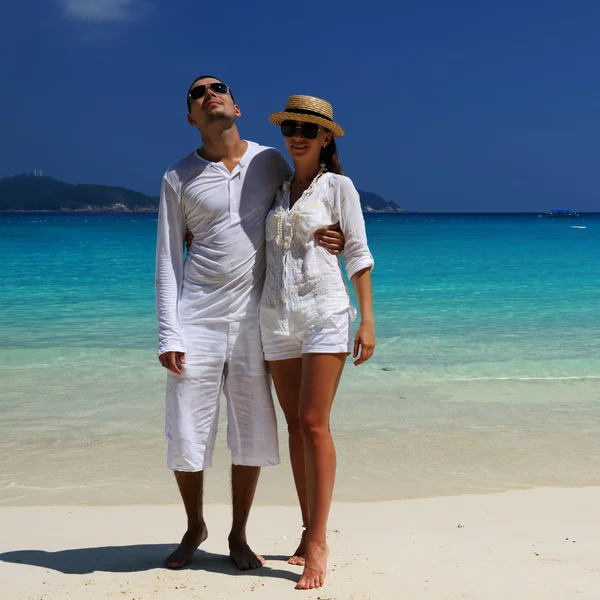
286,240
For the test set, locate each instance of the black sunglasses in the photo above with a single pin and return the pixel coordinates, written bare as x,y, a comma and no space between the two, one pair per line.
200,90
307,130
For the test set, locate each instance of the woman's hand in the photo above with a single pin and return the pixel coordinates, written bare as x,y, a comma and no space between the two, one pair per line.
364,342
189,236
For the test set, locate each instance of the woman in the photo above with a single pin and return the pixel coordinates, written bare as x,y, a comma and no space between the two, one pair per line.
306,312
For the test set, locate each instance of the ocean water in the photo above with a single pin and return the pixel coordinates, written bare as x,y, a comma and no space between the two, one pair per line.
486,374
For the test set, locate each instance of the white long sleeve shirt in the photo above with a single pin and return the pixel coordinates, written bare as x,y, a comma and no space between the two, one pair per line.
222,276
304,282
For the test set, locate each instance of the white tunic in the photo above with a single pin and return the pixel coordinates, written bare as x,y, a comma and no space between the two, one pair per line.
223,273
304,284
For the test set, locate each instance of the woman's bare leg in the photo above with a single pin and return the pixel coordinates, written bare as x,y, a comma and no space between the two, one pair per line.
287,376
320,378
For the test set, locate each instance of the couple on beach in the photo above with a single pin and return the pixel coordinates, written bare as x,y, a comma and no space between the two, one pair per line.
259,295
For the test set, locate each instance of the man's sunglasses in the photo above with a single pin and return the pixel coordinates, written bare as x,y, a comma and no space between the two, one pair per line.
307,130
200,90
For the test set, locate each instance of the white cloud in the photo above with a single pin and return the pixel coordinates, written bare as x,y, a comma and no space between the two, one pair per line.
98,11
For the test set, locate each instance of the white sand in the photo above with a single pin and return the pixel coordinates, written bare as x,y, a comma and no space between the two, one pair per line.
540,544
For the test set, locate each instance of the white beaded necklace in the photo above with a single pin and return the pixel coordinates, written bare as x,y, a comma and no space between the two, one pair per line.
280,239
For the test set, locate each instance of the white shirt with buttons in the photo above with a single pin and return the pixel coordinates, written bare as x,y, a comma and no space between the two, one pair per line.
221,278
304,284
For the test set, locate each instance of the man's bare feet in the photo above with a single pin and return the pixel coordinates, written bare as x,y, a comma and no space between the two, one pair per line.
315,568
243,556
298,558
185,551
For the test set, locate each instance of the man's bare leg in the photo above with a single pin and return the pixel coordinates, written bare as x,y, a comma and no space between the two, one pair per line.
191,486
243,486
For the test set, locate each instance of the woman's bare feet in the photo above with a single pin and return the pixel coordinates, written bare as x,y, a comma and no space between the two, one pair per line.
315,568
298,558
185,551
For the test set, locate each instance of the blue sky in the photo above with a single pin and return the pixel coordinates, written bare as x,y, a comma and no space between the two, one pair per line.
447,106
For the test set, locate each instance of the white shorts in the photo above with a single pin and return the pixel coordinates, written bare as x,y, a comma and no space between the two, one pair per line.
334,336
224,357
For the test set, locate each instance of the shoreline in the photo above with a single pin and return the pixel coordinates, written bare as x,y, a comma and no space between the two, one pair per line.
538,543
418,442
175,502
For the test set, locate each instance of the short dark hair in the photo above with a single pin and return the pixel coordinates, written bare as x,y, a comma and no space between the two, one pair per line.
189,105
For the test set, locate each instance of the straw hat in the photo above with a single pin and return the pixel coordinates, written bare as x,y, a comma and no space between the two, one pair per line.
309,109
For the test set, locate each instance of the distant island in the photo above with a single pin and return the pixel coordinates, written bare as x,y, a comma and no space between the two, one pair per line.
35,193
31,193
372,203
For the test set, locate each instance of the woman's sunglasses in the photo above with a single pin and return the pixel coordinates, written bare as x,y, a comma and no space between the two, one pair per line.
307,130
200,90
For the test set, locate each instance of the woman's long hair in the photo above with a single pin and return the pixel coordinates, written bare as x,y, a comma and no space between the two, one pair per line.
329,156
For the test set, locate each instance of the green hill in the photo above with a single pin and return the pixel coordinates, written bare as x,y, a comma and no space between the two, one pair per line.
372,203
28,193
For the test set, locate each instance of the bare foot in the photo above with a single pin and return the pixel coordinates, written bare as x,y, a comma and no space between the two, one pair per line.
185,551
298,558
315,568
243,556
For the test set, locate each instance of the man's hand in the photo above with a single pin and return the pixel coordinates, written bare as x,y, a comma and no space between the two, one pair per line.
173,361
189,236
331,238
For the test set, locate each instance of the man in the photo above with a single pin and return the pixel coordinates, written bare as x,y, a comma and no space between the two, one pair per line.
207,308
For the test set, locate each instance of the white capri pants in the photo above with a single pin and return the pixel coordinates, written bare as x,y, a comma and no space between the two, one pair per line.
224,357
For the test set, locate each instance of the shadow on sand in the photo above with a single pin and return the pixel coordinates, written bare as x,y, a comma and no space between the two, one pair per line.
134,559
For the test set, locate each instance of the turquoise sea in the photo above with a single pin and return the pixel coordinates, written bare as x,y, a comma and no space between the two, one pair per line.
486,374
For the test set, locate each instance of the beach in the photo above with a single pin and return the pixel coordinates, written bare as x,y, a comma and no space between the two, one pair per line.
468,455
527,545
